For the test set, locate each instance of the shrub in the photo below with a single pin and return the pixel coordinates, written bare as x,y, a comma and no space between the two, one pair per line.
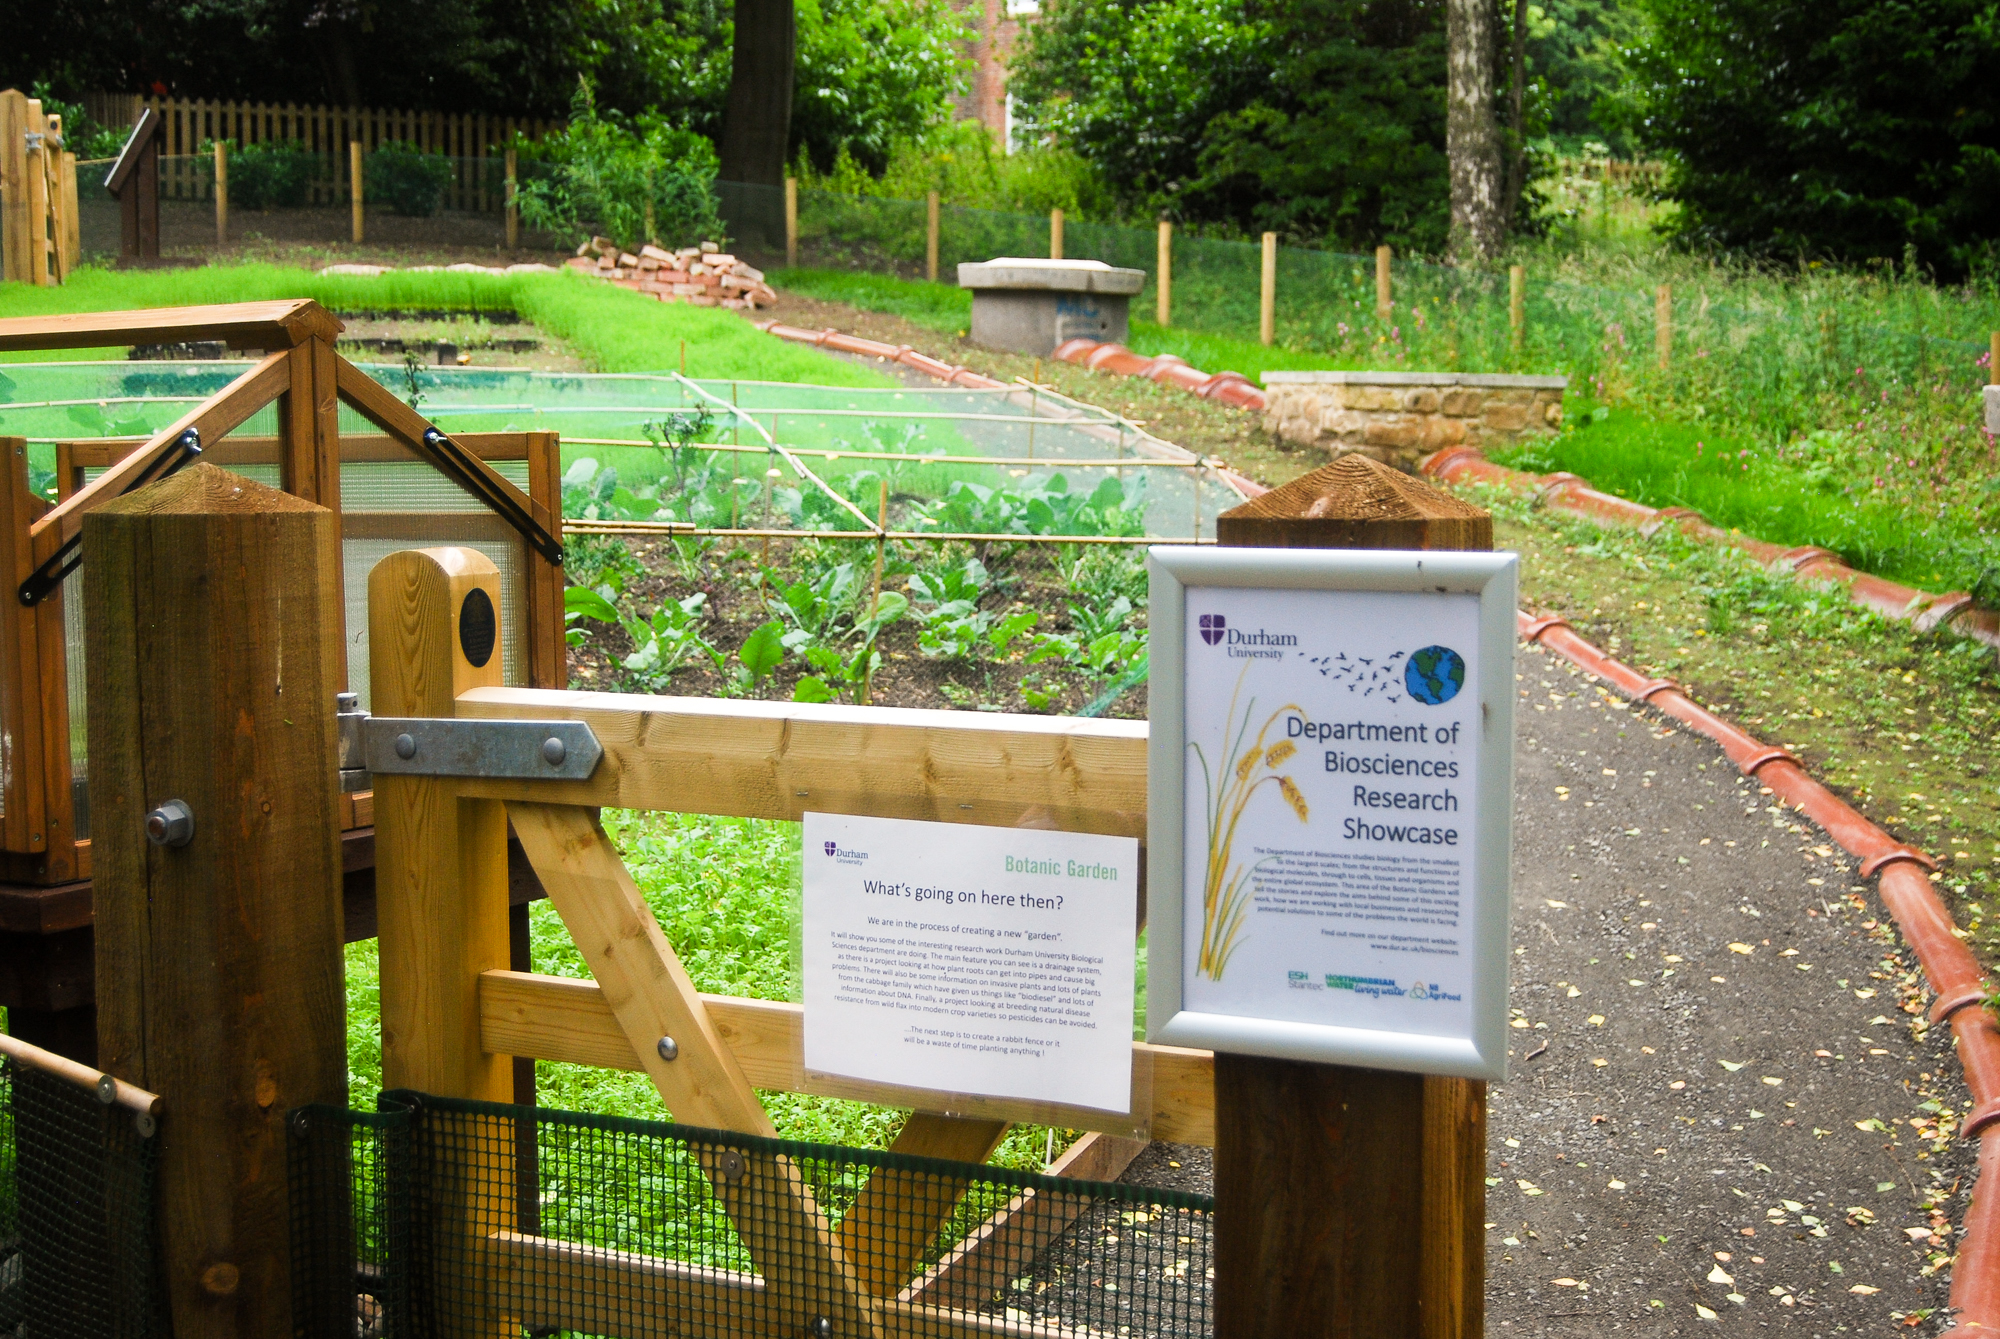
408,180
634,182
276,174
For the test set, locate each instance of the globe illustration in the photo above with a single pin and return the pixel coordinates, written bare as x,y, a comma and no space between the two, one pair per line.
1434,675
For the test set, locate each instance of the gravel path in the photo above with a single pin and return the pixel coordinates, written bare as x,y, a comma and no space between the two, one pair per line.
1726,1113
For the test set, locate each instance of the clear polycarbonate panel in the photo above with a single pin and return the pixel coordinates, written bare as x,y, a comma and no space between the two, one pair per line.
358,557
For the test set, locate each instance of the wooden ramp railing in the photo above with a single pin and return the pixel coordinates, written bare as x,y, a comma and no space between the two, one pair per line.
453,1015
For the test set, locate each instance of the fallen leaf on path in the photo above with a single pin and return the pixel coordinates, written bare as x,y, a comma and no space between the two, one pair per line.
1564,1283
1720,1275
1775,1083
1703,1312
1600,1064
1731,1065
1595,1020
1614,1185
1741,948
1864,1290
1864,994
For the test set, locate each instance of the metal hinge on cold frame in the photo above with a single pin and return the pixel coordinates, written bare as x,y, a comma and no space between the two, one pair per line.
427,746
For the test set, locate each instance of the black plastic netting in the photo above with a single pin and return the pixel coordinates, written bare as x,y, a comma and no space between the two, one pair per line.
76,1212
434,1216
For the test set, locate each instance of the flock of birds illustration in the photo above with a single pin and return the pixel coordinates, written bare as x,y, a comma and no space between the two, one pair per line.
1364,675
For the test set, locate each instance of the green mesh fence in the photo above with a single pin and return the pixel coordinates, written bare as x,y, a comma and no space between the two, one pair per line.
434,1216
76,1213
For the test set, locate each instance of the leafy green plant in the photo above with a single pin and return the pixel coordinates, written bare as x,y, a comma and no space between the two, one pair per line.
761,654
666,641
633,181
276,174
661,644
411,182
1039,505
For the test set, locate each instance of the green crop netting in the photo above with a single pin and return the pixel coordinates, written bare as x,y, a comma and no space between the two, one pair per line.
76,1213
435,1216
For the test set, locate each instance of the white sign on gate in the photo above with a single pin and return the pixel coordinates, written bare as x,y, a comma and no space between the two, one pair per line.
1330,805
998,962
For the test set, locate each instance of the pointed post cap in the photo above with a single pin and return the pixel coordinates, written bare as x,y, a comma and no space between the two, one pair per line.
1356,503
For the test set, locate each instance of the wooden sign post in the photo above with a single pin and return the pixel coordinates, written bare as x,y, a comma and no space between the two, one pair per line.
135,179
1349,1201
215,652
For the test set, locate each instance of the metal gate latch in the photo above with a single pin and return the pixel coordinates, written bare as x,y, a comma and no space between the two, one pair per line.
501,750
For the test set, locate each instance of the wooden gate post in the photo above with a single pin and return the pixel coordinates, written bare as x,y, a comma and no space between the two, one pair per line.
1327,1192
135,179
214,649
440,861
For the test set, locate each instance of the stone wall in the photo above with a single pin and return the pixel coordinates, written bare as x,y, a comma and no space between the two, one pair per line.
1400,417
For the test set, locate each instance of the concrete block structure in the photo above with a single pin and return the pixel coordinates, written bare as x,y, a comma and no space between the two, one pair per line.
1030,305
1400,417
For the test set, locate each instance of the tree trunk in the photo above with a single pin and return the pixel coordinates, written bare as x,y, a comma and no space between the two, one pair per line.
1517,129
757,124
1472,136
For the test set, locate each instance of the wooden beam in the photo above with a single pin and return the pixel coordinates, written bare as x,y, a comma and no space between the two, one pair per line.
898,1214
638,976
214,632
567,1020
214,417
994,1252
240,449
779,759
1348,1201
261,326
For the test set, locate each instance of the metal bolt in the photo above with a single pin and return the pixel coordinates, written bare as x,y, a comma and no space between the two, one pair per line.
348,702
554,750
144,1123
172,824
406,747
107,1089
668,1048
819,1327
730,1166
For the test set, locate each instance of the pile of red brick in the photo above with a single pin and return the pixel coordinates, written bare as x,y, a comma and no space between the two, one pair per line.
704,276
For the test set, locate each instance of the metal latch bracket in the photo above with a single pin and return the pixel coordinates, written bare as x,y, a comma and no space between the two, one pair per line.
499,750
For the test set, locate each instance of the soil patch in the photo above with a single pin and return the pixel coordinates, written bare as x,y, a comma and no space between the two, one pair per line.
737,602
472,341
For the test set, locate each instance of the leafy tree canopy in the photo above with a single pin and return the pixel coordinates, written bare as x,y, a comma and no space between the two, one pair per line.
1842,129
868,71
1322,119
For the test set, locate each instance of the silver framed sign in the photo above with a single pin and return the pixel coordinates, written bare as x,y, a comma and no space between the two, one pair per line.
1330,805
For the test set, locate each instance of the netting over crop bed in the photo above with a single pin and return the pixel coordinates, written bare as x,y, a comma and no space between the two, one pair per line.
663,449
76,1212
441,1216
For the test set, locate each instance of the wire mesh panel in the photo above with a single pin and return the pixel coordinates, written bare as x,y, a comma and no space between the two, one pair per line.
442,1216
76,1213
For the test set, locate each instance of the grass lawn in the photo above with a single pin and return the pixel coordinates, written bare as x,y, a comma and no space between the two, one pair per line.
614,330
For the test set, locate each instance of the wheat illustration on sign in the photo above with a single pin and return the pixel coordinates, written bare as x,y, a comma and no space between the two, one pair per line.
1246,764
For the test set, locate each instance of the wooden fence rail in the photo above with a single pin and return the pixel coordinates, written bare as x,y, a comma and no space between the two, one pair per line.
325,132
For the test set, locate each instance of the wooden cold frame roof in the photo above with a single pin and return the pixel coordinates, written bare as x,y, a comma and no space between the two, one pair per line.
265,326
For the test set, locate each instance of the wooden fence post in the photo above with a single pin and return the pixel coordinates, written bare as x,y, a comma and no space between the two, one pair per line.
1382,303
791,223
41,247
71,251
1663,325
354,195
221,193
1992,358
1336,1213
1267,301
1163,283
215,637
931,238
513,203
13,185
1055,234
1517,308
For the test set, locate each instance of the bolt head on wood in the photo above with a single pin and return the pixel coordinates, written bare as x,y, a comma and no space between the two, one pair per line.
668,1048
172,824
